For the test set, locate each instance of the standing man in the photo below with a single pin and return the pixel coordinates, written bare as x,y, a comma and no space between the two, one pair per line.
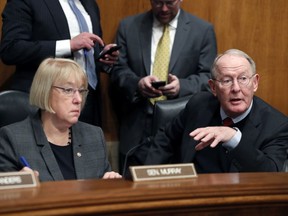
191,49
230,130
37,29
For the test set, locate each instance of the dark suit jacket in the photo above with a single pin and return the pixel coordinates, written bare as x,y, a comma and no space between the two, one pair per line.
262,147
27,138
29,34
192,55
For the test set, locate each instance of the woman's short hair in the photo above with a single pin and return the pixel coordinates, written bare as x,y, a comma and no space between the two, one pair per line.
234,52
50,71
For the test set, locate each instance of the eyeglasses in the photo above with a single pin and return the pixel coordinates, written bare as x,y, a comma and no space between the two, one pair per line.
242,81
160,4
71,91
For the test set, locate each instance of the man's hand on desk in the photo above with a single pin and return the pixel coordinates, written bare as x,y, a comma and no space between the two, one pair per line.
111,175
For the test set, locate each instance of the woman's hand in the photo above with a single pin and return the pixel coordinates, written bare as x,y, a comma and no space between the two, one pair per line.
27,169
111,175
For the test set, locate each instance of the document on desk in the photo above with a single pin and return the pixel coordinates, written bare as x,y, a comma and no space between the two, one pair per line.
161,172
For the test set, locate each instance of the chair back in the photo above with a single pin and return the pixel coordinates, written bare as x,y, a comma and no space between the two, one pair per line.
165,111
14,106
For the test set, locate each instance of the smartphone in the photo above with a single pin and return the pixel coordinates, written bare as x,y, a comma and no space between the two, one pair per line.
109,51
158,84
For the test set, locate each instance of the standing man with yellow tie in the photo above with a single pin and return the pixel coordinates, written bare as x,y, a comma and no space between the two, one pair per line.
34,30
163,44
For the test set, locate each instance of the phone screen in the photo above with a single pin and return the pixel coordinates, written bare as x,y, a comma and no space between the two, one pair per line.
158,84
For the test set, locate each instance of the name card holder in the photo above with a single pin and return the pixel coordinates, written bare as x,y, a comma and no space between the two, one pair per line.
162,172
13,180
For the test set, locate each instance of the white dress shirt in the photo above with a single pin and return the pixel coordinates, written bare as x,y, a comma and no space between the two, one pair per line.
63,46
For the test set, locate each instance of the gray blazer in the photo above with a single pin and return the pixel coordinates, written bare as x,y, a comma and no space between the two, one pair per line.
27,138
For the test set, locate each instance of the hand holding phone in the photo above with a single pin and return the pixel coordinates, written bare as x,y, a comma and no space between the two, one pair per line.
108,52
157,84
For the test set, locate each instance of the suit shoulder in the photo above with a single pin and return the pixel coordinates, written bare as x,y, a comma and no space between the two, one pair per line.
138,18
134,17
202,99
85,127
267,110
203,95
19,126
21,130
196,20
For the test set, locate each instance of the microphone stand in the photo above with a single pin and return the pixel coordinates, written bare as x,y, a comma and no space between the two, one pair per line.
131,151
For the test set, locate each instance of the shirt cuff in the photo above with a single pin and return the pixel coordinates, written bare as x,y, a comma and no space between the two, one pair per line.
234,141
63,48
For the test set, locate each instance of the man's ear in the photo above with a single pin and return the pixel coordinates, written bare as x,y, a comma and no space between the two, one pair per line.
212,86
256,82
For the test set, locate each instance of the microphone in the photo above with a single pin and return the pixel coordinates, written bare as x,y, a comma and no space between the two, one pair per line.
132,151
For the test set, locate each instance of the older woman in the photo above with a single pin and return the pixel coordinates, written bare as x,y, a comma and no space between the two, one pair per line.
52,141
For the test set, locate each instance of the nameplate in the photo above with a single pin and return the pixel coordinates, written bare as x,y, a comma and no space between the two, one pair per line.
13,180
161,172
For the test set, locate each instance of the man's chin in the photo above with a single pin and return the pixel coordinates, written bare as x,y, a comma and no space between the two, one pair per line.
164,19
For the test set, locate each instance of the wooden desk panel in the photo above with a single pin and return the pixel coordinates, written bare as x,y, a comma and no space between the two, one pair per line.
209,194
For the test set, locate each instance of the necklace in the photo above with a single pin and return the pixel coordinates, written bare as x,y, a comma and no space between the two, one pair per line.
69,137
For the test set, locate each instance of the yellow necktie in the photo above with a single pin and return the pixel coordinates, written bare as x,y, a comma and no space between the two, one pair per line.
162,59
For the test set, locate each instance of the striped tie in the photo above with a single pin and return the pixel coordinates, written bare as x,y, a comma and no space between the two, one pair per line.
90,66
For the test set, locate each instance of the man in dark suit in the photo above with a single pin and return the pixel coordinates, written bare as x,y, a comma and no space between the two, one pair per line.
255,141
192,51
37,29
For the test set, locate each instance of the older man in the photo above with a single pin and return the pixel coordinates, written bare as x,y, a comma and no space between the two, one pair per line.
256,139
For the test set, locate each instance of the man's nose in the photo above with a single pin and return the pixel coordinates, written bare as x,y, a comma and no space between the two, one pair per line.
164,7
235,85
